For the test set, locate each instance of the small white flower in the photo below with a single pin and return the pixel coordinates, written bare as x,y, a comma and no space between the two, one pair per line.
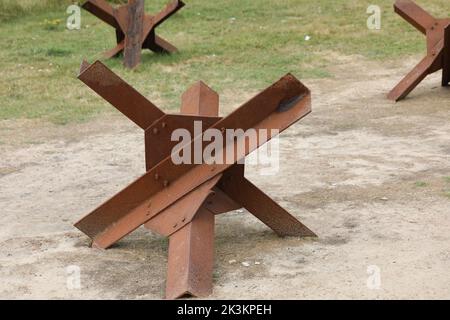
307,38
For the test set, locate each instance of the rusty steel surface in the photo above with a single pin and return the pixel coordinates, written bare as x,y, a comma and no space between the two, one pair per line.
437,47
158,144
191,258
180,200
135,30
191,248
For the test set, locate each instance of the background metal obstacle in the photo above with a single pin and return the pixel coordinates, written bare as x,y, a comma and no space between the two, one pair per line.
135,30
437,32
181,201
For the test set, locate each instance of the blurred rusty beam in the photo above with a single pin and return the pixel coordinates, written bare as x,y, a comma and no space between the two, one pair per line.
434,29
135,30
133,38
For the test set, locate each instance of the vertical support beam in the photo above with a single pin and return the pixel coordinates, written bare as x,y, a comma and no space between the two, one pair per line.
191,249
133,38
201,100
446,58
191,258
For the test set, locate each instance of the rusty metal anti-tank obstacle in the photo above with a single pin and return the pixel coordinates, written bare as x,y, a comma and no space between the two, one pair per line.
180,201
135,30
437,32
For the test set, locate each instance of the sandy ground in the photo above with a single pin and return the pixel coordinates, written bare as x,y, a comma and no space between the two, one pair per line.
370,177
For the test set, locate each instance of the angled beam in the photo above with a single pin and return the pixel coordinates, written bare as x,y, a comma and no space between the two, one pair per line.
150,39
219,202
415,76
114,52
158,44
412,79
238,188
182,212
414,14
277,107
167,12
434,29
102,10
151,22
120,94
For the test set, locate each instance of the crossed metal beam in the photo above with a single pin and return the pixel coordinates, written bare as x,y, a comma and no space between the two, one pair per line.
181,201
437,32
135,30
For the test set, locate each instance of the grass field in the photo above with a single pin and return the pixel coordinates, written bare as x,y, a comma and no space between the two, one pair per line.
233,45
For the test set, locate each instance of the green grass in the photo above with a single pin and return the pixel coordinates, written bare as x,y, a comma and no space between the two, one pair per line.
235,46
12,9
447,192
421,184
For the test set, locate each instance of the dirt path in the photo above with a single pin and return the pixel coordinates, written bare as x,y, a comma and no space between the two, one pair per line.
370,177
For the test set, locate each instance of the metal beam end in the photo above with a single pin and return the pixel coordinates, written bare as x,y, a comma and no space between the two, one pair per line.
84,65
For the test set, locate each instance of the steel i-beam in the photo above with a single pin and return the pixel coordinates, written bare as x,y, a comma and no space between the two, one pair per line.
438,48
180,201
135,30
